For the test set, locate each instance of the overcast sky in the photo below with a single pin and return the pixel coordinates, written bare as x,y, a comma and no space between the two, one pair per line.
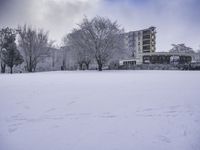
177,21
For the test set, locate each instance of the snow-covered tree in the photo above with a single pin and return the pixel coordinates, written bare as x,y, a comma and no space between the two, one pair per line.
10,54
82,51
181,48
99,37
3,33
34,44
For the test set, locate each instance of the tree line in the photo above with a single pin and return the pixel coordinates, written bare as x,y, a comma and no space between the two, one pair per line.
97,40
32,43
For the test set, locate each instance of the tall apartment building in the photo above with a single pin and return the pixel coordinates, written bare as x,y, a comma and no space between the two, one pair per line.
142,41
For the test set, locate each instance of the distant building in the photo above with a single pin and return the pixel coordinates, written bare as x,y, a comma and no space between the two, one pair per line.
141,46
138,43
142,41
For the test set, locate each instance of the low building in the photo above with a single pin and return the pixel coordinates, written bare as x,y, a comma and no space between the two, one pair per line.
166,58
142,45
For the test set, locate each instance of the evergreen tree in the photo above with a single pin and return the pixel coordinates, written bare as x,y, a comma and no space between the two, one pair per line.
11,55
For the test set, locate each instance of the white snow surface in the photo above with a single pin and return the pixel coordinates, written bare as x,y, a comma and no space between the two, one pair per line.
109,110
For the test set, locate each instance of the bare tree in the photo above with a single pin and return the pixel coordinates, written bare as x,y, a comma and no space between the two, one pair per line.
34,44
98,37
82,51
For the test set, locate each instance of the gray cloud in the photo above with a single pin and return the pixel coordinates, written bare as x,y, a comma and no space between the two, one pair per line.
176,20
57,16
63,16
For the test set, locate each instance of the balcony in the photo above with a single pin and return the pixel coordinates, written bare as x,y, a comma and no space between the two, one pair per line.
147,32
146,37
147,42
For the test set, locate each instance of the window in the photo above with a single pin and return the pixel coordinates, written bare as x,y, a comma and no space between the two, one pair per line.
146,42
146,47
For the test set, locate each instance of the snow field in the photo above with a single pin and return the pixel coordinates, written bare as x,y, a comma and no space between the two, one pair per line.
109,110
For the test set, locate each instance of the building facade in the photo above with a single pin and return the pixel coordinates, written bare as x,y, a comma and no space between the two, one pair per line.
142,41
142,46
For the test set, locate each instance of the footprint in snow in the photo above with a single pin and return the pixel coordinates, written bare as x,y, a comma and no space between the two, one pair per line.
164,139
70,103
27,107
50,110
107,115
11,130
20,102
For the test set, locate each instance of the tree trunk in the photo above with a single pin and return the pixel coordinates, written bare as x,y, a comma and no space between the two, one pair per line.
81,66
34,68
3,68
30,67
99,66
99,62
87,65
11,70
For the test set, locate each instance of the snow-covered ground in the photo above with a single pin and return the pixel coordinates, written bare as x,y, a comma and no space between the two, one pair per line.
109,110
